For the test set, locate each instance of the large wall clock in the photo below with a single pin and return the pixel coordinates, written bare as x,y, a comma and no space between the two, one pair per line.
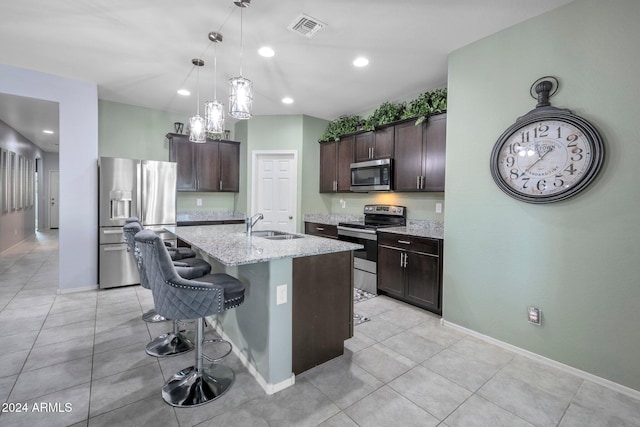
547,155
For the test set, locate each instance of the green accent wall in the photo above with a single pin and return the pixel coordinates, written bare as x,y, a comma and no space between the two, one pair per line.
139,133
577,260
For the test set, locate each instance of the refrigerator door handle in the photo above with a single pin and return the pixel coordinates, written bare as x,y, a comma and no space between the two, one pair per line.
139,187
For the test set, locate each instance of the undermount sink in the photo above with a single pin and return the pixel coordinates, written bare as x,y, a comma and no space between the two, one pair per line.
275,235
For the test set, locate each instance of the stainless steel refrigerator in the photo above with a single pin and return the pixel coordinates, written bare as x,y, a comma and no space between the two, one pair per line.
129,187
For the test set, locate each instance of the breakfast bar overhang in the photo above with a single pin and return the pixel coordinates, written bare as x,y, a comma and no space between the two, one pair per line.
298,307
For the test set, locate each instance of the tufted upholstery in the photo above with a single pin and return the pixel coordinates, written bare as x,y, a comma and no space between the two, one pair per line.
176,253
179,298
188,268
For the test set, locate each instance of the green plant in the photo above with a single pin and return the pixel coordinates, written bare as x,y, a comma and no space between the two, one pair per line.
433,102
341,126
386,113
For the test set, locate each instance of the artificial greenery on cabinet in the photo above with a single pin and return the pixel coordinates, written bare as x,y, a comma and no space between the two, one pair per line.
426,104
386,113
341,126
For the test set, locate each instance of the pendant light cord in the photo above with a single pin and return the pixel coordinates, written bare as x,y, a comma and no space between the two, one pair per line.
241,44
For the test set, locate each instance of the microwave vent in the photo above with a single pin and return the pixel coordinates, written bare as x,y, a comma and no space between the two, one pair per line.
306,26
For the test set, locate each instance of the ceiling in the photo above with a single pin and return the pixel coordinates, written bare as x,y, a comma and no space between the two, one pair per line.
139,52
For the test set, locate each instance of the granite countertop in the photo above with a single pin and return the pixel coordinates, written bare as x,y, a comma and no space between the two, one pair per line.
204,216
332,219
419,228
229,244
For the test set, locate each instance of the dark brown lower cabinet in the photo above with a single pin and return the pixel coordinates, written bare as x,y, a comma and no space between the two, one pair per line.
322,308
410,269
321,230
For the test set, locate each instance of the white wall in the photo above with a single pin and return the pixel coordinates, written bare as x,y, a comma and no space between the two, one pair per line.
78,102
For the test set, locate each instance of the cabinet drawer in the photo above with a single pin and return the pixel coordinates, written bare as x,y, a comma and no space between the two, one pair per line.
410,243
322,230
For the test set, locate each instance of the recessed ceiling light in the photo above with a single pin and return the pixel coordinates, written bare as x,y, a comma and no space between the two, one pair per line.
266,51
183,92
287,100
361,62
47,131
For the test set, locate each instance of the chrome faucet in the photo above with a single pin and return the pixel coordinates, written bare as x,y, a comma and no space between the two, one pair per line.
250,222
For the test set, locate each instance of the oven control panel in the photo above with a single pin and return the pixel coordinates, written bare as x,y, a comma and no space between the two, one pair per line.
384,209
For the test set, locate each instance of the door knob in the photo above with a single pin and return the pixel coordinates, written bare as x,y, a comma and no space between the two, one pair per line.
290,217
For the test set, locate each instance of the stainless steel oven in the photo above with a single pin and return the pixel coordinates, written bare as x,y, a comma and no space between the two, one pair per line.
365,233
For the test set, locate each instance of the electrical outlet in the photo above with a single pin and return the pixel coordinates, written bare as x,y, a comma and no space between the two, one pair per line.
198,202
438,207
534,315
281,294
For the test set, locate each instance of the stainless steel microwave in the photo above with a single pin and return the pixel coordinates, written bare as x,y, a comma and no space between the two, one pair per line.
373,175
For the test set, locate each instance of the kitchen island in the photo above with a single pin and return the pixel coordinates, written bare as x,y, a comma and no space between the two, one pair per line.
298,307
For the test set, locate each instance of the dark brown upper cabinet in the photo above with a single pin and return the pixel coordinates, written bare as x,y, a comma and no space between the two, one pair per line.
419,154
374,145
210,166
335,165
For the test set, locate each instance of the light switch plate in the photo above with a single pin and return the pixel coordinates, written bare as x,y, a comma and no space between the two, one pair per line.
281,294
198,202
438,207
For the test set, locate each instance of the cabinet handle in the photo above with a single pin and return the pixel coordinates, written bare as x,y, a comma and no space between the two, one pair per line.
417,182
422,182
406,257
335,185
220,185
404,242
401,259
320,228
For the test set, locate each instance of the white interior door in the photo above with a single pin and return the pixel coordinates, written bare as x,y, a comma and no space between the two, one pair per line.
54,193
274,193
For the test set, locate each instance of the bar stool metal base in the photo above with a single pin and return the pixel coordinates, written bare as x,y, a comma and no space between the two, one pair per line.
189,388
169,344
152,316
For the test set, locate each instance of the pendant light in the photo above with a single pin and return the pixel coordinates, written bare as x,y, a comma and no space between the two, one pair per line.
196,123
240,89
213,110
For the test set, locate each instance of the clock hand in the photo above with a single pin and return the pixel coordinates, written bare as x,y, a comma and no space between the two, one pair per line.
539,158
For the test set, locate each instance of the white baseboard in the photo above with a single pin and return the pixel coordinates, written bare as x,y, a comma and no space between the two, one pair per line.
269,388
82,289
550,362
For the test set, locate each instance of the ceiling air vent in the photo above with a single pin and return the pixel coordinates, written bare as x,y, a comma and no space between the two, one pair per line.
306,25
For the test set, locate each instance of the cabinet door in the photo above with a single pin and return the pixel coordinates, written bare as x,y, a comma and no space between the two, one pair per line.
384,142
408,157
321,230
208,167
328,153
423,280
436,140
345,158
183,153
229,154
391,278
364,146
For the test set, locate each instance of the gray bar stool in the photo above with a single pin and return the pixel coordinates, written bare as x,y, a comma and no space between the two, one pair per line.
176,253
179,298
175,342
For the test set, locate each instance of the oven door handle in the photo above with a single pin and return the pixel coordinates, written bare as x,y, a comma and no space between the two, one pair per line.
357,233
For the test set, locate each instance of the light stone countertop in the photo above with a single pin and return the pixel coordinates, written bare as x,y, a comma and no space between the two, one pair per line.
229,244
332,219
419,228
196,216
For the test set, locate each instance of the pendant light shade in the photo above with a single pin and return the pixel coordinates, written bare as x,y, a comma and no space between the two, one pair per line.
240,98
240,89
196,123
213,110
214,117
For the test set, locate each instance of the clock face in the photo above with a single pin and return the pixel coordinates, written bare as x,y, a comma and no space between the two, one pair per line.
546,158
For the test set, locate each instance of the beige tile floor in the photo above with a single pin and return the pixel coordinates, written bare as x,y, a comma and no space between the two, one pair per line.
82,356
